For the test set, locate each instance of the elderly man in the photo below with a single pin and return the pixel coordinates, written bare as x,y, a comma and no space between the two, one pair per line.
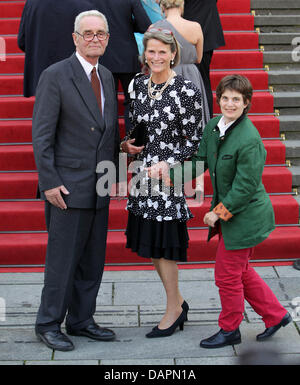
74,128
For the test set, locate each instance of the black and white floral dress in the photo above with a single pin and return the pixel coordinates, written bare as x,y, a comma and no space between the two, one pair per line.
157,213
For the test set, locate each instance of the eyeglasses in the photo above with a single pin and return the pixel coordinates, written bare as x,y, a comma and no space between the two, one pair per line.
166,31
89,36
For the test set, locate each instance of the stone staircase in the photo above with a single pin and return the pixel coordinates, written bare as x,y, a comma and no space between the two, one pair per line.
279,37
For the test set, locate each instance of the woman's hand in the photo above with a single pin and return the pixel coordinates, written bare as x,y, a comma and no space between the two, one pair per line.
129,148
160,170
210,219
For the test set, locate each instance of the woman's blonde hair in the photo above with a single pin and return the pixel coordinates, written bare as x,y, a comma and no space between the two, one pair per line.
167,4
166,37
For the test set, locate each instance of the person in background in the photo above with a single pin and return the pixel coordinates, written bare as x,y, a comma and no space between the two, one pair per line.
121,56
154,13
170,109
45,35
190,37
74,130
205,12
241,213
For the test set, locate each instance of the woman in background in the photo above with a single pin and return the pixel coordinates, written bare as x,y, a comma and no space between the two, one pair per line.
190,38
154,13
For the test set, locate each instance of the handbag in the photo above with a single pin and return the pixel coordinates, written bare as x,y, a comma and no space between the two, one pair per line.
139,133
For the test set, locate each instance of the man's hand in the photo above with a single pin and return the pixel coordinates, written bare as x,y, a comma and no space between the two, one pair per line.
210,219
54,196
129,148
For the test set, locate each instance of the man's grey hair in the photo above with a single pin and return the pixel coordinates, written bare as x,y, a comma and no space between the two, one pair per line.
93,12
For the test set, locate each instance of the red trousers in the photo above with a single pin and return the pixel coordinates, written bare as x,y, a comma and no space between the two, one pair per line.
238,281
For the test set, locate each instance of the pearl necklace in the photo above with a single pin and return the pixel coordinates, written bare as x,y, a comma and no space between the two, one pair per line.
156,94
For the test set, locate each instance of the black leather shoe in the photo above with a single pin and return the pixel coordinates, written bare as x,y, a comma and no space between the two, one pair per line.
222,338
93,331
55,340
273,329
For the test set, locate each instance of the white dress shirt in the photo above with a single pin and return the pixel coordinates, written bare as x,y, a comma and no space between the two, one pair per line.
223,126
88,69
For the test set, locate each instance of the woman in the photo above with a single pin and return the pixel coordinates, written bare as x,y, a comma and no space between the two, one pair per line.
170,108
190,38
241,213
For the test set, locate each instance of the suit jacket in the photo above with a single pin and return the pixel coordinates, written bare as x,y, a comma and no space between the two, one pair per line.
124,18
70,136
45,35
205,12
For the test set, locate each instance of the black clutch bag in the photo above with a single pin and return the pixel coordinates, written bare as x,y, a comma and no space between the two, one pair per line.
139,133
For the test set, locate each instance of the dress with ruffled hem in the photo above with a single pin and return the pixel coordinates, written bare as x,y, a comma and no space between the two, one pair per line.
152,239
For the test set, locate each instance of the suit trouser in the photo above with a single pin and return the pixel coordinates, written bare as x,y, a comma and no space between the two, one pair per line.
204,68
238,281
125,79
74,266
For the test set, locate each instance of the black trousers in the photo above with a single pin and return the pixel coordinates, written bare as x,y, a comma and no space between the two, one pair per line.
204,68
74,266
125,79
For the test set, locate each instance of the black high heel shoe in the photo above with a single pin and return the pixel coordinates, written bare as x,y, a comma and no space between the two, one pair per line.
186,308
156,332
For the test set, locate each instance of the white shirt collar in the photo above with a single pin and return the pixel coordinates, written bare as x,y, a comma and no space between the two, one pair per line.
87,66
223,126
88,69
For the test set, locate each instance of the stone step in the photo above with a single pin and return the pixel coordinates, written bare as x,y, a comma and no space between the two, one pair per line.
295,170
277,12
286,99
279,29
292,148
278,38
267,20
284,111
289,125
284,60
275,4
284,77
284,81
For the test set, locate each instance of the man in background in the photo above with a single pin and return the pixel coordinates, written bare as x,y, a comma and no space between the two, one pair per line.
45,35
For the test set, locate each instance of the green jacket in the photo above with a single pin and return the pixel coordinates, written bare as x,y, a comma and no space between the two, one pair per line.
235,164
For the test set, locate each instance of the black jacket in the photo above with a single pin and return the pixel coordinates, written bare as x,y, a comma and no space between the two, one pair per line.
45,35
124,18
205,12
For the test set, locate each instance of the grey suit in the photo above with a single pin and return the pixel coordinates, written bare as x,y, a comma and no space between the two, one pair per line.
70,137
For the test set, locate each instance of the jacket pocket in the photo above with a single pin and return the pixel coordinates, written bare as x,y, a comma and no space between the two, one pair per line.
227,157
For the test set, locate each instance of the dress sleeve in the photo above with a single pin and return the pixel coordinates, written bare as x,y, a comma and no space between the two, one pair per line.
133,92
190,123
